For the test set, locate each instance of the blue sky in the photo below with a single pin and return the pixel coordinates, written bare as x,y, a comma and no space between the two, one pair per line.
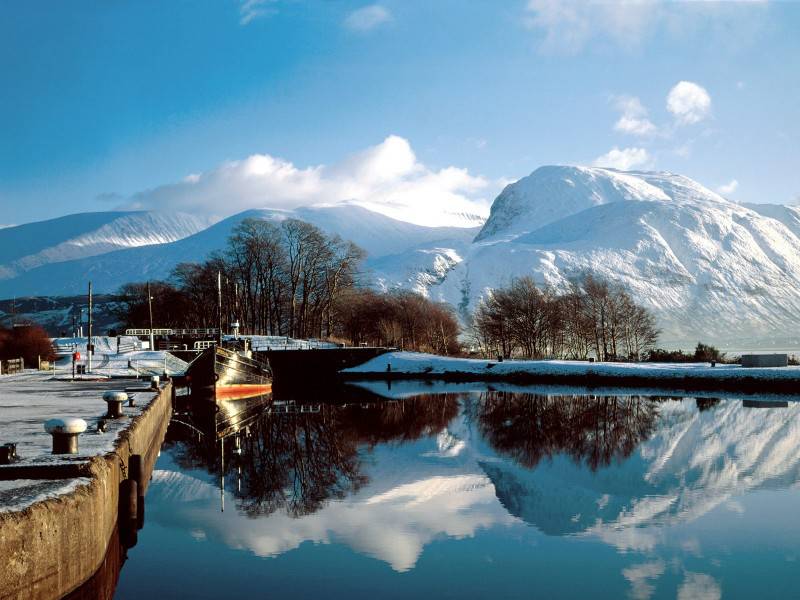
217,106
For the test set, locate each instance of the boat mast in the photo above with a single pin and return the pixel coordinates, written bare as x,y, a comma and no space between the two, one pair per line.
219,304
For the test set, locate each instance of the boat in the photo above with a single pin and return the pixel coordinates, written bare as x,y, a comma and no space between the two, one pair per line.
228,374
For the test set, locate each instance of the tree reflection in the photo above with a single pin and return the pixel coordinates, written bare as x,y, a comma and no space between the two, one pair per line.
296,460
590,429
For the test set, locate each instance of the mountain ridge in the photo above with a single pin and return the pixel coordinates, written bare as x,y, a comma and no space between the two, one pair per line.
707,267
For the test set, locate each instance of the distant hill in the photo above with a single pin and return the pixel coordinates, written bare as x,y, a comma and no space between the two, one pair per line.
707,267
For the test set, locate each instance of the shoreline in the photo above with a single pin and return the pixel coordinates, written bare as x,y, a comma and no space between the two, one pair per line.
667,376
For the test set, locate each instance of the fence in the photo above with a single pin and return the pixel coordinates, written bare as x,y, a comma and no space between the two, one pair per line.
125,345
11,366
146,332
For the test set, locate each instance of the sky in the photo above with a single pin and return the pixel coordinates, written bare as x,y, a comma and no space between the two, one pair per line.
218,106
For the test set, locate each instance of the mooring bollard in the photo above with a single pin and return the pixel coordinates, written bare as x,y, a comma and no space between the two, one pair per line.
8,453
154,382
65,434
114,401
131,399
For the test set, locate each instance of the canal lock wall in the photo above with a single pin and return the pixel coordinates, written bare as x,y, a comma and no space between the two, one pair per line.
52,547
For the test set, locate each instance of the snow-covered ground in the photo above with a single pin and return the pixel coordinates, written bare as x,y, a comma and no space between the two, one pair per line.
19,494
107,363
278,342
429,365
29,399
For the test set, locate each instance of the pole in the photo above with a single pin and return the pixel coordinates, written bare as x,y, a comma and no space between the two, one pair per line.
90,345
150,306
219,304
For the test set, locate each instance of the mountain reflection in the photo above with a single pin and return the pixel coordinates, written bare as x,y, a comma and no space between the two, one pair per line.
593,430
386,477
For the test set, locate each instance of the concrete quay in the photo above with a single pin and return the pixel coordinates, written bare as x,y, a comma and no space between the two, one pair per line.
59,513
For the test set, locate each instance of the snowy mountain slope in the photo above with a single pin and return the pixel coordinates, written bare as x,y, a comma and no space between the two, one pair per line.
707,267
377,234
696,461
27,247
553,192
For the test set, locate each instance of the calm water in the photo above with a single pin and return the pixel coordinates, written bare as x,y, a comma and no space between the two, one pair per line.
479,494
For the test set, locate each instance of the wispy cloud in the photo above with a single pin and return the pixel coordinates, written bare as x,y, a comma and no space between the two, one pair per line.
634,119
624,159
367,18
728,188
642,578
567,26
250,10
699,586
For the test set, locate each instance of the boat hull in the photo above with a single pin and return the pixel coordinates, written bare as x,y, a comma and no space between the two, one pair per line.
229,375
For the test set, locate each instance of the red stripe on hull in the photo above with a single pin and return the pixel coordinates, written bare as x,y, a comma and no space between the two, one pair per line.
236,391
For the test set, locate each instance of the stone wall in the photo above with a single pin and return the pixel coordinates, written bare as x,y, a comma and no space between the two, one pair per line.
52,547
764,360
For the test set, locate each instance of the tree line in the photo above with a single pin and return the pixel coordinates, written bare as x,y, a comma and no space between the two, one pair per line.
290,279
593,317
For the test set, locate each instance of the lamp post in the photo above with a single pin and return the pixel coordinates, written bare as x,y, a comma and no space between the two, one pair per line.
150,308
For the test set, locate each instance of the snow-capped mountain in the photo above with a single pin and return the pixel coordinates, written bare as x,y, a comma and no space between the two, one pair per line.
707,267
26,247
401,251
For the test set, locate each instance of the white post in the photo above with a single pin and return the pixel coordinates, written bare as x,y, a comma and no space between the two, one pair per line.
150,307
89,349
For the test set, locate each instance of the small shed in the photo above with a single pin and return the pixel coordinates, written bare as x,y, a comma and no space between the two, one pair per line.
765,360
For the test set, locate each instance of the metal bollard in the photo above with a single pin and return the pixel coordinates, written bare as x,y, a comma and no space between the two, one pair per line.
8,453
154,382
114,401
65,434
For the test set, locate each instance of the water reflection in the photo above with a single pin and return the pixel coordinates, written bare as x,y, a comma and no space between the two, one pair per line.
647,476
590,429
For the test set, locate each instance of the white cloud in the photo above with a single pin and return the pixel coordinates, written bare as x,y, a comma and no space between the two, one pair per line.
623,159
387,178
367,18
254,9
699,586
728,188
567,26
639,577
634,119
689,102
